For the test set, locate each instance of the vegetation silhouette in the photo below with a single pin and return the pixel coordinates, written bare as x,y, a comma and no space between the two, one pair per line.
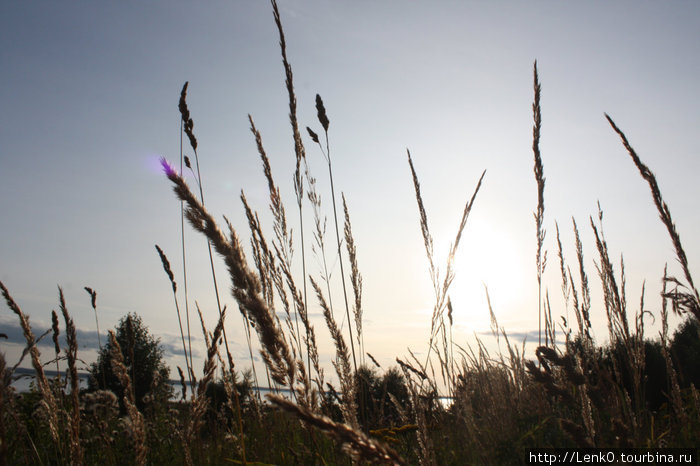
144,359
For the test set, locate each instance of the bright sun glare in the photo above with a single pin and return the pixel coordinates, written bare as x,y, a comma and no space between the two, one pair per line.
488,255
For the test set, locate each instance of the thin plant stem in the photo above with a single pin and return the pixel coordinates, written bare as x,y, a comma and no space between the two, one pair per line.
303,266
690,300
355,279
93,302
188,126
246,287
300,155
539,215
169,272
184,256
323,118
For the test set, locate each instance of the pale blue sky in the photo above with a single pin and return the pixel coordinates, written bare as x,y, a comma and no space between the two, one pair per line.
89,95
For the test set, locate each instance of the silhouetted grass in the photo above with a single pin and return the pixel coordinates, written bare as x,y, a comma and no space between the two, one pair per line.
633,391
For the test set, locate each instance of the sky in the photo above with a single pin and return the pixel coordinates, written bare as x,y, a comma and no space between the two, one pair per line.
89,94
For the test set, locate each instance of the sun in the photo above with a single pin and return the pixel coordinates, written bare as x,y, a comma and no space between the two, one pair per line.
494,256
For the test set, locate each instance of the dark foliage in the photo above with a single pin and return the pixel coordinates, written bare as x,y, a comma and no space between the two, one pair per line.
143,357
685,349
685,357
219,412
602,363
377,410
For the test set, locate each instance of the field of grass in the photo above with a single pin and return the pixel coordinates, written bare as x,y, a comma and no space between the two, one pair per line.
634,391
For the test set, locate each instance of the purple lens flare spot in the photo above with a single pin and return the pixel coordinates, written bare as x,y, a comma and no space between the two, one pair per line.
167,168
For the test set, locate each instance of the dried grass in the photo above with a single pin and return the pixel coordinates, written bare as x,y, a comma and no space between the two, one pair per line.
323,119
48,400
5,408
441,286
541,256
341,363
245,285
76,451
355,277
173,284
137,423
690,300
355,442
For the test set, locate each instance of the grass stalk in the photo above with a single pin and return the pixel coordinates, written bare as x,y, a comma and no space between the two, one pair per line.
76,451
93,303
541,258
282,245
245,285
360,447
342,362
182,244
169,273
566,293
299,151
323,119
138,428
200,401
355,278
57,347
440,286
188,126
582,312
48,399
690,301
5,408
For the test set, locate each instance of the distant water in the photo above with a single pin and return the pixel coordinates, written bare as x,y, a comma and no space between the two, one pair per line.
23,378
27,376
285,392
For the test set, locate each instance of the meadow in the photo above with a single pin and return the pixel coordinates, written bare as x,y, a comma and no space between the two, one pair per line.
458,404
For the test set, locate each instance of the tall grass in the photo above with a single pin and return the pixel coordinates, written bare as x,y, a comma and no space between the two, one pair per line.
541,257
632,391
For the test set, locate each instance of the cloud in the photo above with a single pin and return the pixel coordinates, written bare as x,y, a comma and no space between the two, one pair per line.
87,339
532,336
293,315
172,345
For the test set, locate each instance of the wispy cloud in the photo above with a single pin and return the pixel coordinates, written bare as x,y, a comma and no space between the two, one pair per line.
293,315
87,339
530,335
172,344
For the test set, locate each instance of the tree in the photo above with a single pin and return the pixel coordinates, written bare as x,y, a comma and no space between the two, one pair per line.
143,357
